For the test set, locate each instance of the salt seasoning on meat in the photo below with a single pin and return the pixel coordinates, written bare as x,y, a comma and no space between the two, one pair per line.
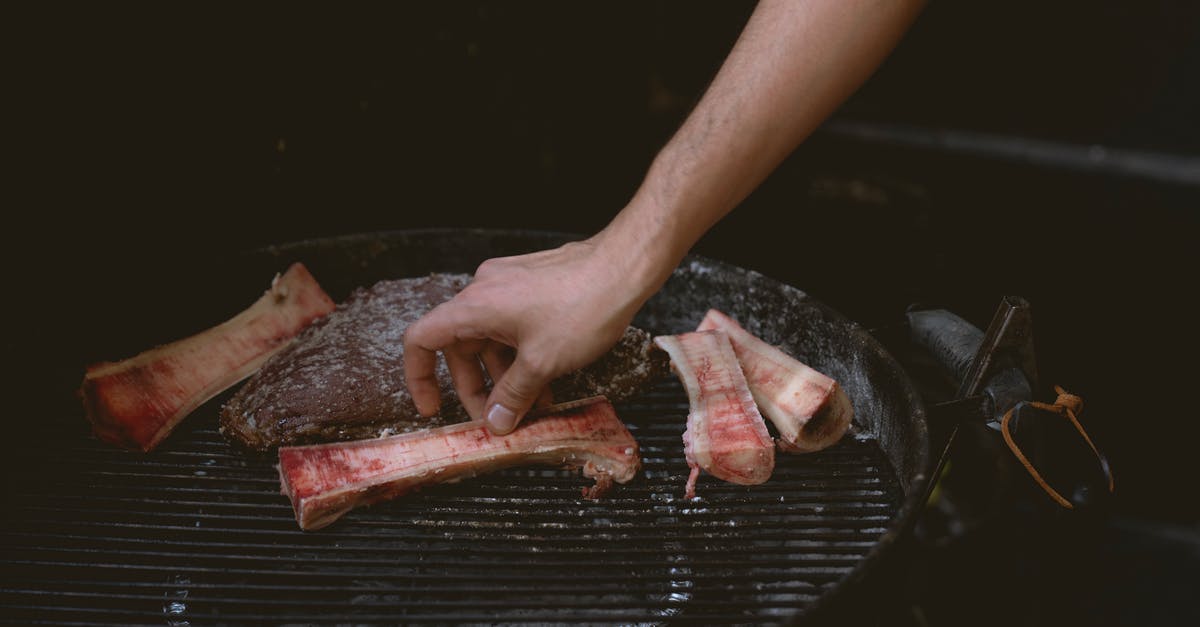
725,434
343,378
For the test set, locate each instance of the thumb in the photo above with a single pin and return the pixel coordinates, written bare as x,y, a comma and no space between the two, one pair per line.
513,395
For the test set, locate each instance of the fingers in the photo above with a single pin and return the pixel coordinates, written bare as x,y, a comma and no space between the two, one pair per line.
545,399
466,332
422,340
514,394
467,375
498,358
463,360
419,364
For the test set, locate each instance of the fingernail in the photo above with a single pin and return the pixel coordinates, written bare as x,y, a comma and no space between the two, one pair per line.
501,418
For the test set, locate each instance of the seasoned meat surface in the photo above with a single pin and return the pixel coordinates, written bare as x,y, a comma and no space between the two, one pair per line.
343,377
626,370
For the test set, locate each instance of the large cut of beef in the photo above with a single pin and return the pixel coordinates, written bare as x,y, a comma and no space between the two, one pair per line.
343,377
325,481
136,402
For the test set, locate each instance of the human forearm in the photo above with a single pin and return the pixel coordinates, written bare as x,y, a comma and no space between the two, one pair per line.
533,317
794,63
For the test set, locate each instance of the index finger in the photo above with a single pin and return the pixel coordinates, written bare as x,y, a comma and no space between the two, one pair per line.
436,330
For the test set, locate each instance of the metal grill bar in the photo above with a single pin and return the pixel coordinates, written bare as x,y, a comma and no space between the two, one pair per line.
198,533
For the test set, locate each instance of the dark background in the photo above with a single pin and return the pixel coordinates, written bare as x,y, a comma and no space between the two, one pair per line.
145,142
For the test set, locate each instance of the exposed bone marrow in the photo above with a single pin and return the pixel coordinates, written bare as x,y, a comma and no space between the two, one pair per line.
725,434
810,410
135,403
324,481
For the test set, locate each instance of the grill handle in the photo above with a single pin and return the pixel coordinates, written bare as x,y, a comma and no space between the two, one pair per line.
997,375
984,364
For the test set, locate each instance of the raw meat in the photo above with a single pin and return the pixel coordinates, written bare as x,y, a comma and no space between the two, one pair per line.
325,481
725,434
136,402
626,370
343,378
809,409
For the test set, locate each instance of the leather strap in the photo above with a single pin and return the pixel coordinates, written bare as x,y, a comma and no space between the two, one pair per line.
1066,405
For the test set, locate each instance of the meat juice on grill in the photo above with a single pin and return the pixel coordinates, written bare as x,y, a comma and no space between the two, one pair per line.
136,403
325,481
343,378
725,434
810,410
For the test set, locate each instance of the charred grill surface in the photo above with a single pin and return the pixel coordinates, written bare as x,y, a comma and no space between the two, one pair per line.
197,531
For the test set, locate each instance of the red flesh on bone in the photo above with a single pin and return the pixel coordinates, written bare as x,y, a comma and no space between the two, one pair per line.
135,403
809,409
725,434
325,481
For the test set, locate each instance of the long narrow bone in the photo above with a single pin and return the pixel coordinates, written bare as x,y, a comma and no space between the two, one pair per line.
136,402
324,481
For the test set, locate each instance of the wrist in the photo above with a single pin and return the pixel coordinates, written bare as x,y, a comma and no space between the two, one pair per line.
643,246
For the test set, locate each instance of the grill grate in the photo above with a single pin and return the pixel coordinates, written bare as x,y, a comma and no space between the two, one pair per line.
197,533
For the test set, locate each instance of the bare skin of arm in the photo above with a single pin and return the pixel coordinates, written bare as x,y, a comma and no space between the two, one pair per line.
531,318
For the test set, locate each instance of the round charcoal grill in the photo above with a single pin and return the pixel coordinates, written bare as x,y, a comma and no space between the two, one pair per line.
197,532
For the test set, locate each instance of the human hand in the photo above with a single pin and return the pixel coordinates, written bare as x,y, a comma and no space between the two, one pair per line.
528,319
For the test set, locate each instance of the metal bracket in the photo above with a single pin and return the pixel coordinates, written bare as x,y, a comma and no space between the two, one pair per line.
1010,333
990,382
